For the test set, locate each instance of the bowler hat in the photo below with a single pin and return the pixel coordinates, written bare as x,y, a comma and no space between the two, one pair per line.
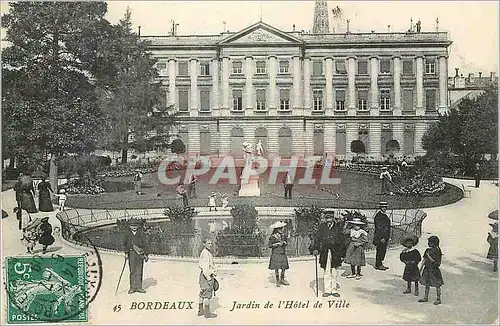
133,221
45,219
409,238
383,204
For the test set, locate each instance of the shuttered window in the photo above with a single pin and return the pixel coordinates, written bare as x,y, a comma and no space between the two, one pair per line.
408,100
205,100
183,100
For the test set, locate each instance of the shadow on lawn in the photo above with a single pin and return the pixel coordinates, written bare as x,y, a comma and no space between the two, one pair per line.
470,294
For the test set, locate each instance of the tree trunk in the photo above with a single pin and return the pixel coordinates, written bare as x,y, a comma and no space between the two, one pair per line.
124,155
53,173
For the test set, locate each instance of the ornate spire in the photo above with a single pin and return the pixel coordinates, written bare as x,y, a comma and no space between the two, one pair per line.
320,25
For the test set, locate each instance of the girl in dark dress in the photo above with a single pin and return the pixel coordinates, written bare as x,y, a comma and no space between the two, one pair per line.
493,241
411,258
45,230
44,200
278,260
431,275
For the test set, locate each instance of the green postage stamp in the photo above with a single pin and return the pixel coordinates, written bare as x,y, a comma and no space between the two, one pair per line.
46,289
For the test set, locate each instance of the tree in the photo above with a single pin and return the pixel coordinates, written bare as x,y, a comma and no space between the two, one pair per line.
49,102
134,104
467,132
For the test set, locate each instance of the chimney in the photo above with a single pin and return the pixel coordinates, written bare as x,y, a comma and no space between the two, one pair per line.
347,29
139,32
294,27
175,30
456,72
480,73
223,27
492,76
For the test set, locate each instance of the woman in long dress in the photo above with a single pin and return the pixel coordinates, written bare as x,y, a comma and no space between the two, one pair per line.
44,200
27,194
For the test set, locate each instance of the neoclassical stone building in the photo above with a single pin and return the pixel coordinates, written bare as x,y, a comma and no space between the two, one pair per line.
304,93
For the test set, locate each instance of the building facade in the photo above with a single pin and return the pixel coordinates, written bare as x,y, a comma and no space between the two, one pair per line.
302,93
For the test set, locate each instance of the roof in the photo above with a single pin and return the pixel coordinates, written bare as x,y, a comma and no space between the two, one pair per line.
261,32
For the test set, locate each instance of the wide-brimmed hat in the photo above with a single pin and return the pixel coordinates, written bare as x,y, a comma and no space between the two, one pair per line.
62,191
409,238
383,204
356,221
44,219
384,168
494,224
277,225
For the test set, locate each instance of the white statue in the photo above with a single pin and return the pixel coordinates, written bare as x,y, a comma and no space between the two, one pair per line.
260,149
248,152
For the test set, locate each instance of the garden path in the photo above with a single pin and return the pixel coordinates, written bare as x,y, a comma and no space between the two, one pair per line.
470,293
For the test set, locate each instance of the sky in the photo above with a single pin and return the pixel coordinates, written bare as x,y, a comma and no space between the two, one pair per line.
472,25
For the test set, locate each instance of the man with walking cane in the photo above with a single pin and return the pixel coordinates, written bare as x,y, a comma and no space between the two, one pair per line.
329,243
136,251
381,235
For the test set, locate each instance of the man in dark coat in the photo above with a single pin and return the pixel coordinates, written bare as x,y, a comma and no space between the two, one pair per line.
381,235
330,243
136,251
477,174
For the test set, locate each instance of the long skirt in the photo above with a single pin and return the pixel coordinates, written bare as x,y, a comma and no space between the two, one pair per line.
278,260
431,276
28,203
355,255
44,202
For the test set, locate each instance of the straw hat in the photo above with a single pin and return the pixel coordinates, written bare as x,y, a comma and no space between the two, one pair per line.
45,219
62,191
409,238
383,204
133,221
277,225
357,221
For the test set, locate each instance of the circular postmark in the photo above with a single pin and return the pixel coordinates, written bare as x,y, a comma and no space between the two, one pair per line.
52,288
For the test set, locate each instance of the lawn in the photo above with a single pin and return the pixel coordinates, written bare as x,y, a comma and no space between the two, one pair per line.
356,190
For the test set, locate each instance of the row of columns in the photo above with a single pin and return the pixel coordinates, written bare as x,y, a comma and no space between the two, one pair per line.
296,99
303,140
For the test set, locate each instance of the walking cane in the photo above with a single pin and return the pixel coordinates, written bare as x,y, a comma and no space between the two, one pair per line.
121,274
316,261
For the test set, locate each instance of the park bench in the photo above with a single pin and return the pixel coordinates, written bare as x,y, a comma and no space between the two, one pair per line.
467,192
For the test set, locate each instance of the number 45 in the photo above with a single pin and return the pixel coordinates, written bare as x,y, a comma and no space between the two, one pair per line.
117,308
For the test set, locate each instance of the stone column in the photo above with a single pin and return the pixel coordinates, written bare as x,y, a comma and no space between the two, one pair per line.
375,134
194,138
248,83
351,86
307,86
374,85
215,87
194,87
397,86
272,83
225,86
296,83
330,131
443,83
420,87
329,83
171,81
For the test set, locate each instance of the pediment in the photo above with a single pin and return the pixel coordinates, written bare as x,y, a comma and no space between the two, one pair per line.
261,33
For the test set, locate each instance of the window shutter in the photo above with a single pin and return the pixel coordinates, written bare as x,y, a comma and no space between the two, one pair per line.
284,94
205,100
362,67
340,95
363,95
408,100
261,95
183,100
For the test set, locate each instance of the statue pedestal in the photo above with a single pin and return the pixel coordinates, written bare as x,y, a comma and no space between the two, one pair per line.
249,183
